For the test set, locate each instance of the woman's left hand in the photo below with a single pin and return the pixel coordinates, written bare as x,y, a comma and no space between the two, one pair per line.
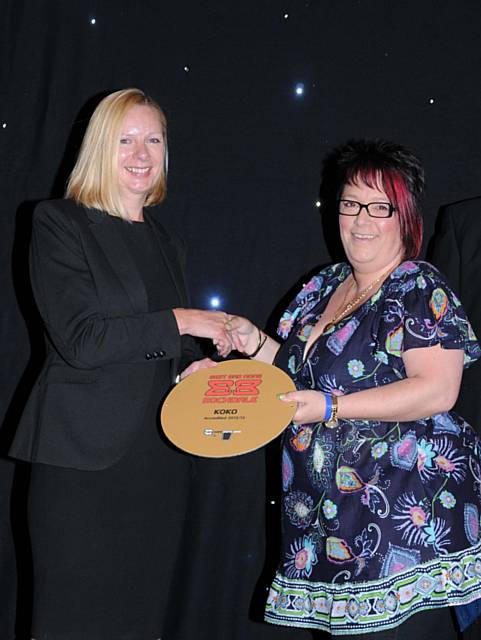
311,405
198,365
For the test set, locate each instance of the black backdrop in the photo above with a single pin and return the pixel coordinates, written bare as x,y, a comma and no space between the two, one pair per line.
245,155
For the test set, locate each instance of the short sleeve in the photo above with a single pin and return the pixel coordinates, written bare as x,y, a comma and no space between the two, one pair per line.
421,311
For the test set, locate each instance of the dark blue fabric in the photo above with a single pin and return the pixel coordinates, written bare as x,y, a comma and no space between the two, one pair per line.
468,613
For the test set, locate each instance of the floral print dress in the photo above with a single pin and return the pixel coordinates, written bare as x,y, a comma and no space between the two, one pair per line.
380,519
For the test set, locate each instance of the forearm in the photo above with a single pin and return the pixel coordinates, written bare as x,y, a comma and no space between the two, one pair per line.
184,320
402,401
268,351
431,386
94,342
433,378
255,344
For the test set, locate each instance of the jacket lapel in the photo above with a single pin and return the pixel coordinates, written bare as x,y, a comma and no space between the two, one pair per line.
172,255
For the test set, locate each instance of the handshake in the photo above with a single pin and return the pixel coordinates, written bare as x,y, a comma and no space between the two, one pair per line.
227,332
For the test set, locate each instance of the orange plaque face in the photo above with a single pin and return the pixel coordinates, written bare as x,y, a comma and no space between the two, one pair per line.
228,410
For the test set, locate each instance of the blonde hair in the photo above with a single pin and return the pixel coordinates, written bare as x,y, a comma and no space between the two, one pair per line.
94,180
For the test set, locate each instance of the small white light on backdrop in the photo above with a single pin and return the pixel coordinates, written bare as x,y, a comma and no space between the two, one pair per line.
214,302
4,125
93,21
431,100
186,68
299,89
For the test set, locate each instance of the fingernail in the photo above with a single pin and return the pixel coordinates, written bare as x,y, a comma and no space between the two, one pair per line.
281,396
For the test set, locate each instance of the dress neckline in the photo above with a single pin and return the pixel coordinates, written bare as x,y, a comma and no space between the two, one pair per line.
346,271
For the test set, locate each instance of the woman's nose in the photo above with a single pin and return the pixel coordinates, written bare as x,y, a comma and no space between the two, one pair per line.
141,150
363,216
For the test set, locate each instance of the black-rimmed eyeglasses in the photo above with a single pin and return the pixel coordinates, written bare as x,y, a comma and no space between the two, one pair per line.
374,209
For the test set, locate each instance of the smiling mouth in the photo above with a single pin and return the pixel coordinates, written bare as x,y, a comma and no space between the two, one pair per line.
138,170
364,236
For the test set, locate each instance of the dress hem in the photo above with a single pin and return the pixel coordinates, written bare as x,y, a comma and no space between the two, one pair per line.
351,608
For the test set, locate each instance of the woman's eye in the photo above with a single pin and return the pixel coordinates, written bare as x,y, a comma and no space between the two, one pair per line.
124,141
155,140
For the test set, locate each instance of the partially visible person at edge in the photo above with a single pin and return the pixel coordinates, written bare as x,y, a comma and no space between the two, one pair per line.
108,496
456,251
381,481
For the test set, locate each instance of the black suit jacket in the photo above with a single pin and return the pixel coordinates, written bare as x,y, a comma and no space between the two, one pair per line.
457,253
102,342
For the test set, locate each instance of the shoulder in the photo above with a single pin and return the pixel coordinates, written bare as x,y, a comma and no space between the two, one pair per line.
464,216
65,223
417,286
322,284
319,286
66,211
463,208
412,270
325,277
55,215
420,310
58,207
417,282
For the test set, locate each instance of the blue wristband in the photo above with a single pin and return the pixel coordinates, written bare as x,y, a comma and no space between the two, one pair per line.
328,411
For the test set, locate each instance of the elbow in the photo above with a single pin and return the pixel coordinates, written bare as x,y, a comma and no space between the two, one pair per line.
444,407
81,361
78,358
80,352
446,400
450,405
89,351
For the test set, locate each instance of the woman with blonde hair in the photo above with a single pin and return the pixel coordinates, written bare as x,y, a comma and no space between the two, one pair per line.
108,495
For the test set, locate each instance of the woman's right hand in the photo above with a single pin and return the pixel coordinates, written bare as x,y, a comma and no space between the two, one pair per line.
205,324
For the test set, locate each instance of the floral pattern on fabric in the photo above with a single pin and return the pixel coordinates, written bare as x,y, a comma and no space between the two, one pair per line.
380,519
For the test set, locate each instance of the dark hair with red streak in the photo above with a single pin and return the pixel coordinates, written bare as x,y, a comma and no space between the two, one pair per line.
393,169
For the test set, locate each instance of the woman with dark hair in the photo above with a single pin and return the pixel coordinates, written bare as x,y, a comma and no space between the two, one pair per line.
108,496
381,481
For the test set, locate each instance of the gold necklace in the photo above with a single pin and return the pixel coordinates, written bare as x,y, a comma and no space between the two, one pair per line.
353,303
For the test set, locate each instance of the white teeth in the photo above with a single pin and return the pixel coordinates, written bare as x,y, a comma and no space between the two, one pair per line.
138,169
363,236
